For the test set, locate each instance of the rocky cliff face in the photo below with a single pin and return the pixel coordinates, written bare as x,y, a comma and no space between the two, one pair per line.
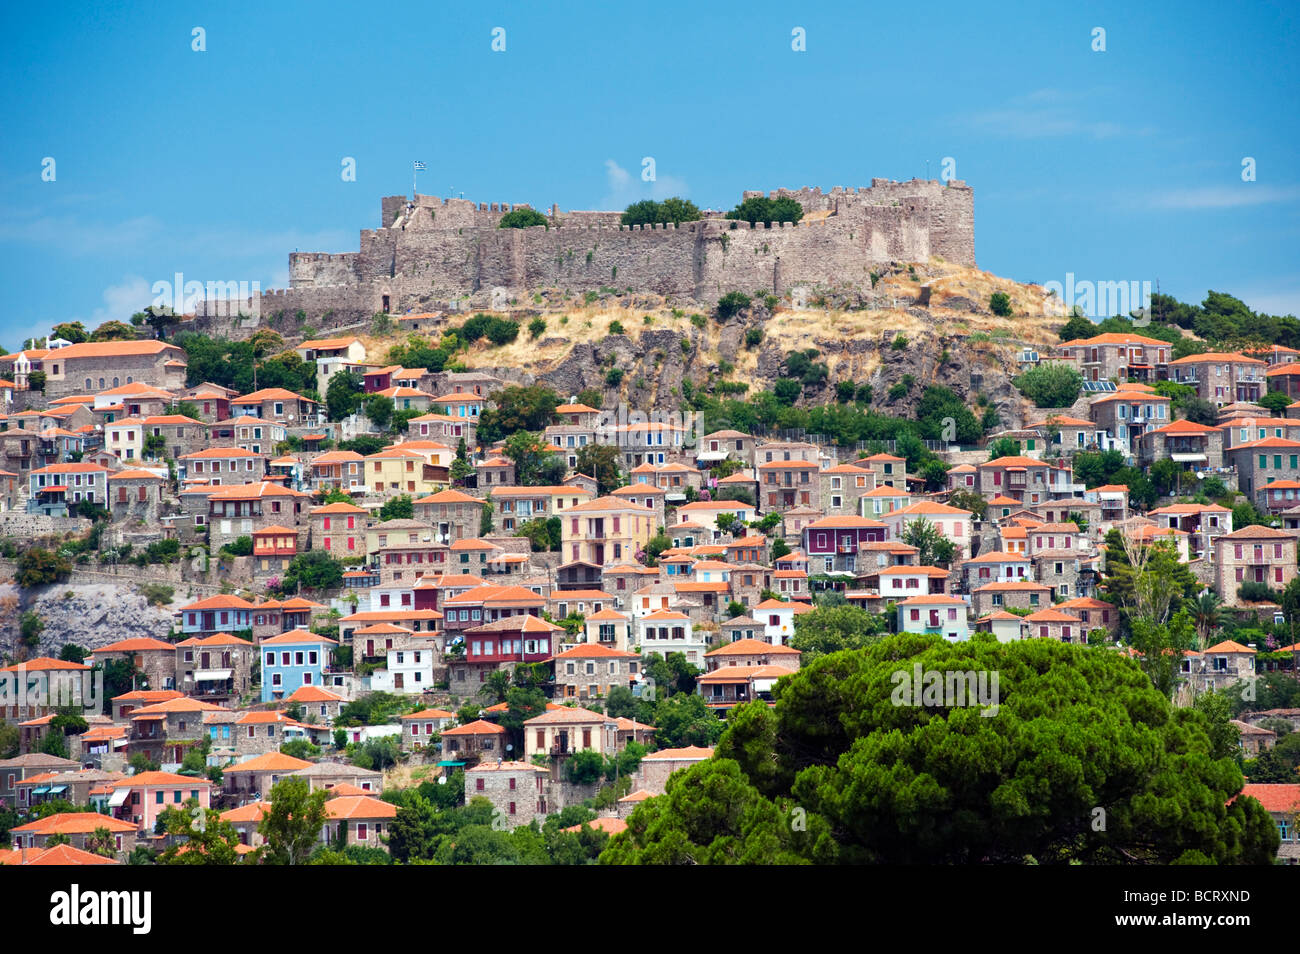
921,324
90,615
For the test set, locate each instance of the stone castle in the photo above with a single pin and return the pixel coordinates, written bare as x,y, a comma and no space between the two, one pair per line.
430,252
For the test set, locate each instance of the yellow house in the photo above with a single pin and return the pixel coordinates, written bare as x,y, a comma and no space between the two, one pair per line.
397,471
605,530
125,438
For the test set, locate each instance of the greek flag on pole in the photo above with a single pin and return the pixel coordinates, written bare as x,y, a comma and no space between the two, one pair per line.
419,166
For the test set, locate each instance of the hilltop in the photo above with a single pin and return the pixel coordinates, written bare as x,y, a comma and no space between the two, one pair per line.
930,321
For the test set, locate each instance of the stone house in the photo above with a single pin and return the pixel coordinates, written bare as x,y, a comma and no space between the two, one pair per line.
235,512
279,405
1125,415
517,791
216,668
247,433
153,657
419,729
562,731
1196,446
1221,378
95,365
652,775
479,740
1219,666
1282,802
252,779
1052,623
842,488
750,651
1253,554
224,466
591,670
135,495
363,819
1259,463
1009,594
1113,356
453,514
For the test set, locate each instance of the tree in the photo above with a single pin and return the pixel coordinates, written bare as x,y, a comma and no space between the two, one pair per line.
1003,447
934,547
655,546
293,823
30,625
522,219
38,567
518,408
378,410
1050,384
240,546
114,331
650,212
1162,646
941,784
1205,611
762,209
54,743
73,331
1079,326
36,381
1145,579
397,508
731,304
969,500
313,570
544,534
620,703
160,318
603,462
1276,401
1000,304
685,719
944,416
208,839
832,629
1200,411
586,766
343,395
779,548
534,464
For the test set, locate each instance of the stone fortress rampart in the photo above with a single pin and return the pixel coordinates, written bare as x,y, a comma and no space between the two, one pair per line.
430,249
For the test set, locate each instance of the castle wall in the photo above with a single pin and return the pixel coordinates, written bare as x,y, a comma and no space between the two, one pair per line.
446,248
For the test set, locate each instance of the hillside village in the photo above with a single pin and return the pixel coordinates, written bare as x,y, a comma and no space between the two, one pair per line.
457,581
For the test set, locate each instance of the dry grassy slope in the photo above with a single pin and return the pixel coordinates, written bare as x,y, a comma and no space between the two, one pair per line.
951,339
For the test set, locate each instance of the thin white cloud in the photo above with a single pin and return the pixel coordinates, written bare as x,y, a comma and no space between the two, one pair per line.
624,188
79,237
1233,196
1047,113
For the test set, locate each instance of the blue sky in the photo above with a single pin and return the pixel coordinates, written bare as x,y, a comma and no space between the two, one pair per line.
1120,165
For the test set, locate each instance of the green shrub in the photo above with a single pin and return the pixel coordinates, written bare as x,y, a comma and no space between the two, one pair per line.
1000,304
616,327
732,304
753,337
899,342
536,327
521,219
613,377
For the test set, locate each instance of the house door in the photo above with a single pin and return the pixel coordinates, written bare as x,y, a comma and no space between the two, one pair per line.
370,647
398,680
564,741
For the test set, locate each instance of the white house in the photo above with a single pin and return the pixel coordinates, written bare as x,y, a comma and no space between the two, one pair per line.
667,631
934,613
777,618
408,671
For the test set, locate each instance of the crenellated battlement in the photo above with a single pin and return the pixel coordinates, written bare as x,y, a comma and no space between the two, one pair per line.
430,247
